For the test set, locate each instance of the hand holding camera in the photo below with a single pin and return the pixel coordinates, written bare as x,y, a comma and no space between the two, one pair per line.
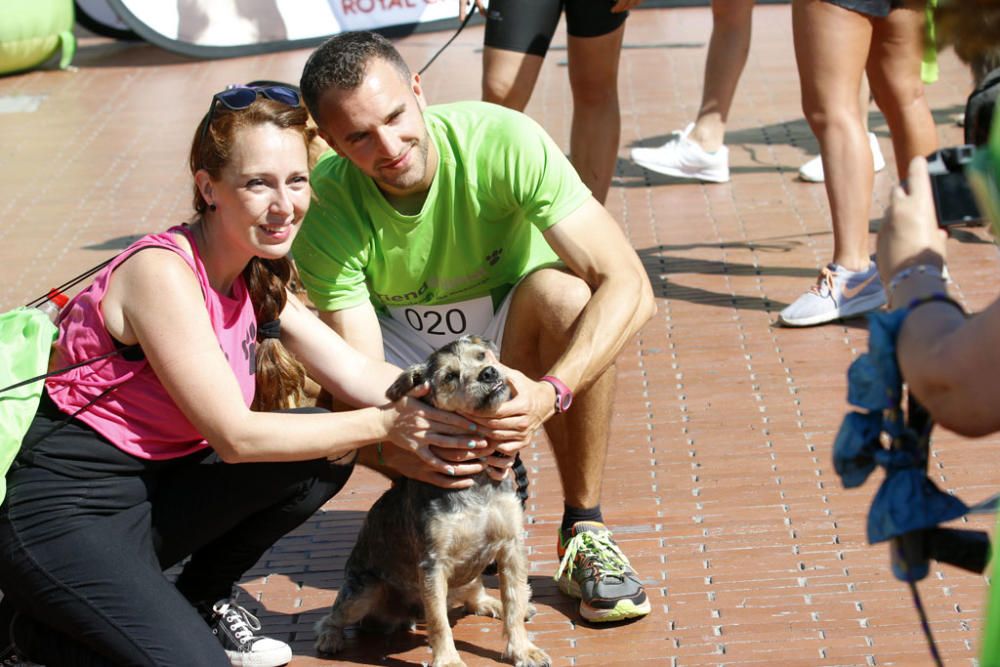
953,199
910,233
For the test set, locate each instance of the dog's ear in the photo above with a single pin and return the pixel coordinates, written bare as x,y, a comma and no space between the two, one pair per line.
473,339
414,376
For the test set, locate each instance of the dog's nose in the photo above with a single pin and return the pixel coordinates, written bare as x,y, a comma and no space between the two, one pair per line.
489,375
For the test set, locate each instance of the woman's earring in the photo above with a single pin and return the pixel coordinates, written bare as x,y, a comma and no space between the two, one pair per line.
211,207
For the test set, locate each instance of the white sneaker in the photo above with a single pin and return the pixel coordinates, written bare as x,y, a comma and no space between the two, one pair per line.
812,171
682,158
838,293
237,630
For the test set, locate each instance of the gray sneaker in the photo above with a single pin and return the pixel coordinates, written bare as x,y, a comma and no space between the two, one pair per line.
593,569
838,293
236,629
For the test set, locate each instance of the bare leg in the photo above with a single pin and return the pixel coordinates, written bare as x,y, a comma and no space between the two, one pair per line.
596,127
894,72
864,100
727,55
812,170
542,318
831,48
509,77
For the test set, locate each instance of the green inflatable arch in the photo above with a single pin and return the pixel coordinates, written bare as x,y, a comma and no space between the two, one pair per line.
31,32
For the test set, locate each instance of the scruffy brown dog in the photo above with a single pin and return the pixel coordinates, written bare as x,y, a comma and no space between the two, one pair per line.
424,549
973,28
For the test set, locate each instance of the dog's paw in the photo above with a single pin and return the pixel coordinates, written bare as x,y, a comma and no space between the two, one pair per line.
485,605
448,661
329,637
532,657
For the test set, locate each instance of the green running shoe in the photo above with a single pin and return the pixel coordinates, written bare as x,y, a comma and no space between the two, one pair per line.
593,569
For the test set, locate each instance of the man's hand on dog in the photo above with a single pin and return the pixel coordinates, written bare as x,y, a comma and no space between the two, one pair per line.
513,423
434,446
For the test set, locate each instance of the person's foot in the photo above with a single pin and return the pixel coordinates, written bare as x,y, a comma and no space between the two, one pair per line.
593,569
10,658
10,654
236,629
838,293
683,158
812,171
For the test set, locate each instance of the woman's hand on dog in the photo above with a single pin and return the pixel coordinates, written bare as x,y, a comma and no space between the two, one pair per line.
409,464
424,431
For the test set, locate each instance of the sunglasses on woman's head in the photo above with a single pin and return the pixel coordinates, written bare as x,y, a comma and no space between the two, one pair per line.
235,98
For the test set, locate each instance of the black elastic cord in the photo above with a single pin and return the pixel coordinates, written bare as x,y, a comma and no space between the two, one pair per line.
468,17
69,283
270,329
60,371
925,626
68,418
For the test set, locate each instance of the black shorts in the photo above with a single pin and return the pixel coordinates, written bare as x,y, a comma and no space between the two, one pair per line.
876,8
527,26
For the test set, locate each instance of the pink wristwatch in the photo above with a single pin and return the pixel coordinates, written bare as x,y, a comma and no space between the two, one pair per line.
564,395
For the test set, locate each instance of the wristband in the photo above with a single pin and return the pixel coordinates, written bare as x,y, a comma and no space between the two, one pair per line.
939,297
564,395
919,269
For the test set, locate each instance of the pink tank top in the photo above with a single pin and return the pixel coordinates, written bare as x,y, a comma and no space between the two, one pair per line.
138,415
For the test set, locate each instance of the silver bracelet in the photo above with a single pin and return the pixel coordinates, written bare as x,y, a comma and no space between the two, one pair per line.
917,269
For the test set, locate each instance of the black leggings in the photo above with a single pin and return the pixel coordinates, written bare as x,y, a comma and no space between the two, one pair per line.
87,530
527,26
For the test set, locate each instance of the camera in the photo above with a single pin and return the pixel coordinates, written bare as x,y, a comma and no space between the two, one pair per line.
953,199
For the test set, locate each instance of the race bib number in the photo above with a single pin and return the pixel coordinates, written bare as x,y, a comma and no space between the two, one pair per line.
438,325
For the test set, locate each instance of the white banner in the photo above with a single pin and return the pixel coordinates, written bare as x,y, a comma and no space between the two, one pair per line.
210,28
370,14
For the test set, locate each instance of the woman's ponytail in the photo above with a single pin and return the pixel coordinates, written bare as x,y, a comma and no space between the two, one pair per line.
280,377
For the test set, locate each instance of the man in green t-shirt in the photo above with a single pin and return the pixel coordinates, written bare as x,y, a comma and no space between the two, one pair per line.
435,222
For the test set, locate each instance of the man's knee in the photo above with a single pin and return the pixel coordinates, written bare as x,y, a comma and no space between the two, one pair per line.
552,298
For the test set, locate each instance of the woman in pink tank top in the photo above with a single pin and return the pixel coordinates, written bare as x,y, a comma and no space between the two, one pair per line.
138,462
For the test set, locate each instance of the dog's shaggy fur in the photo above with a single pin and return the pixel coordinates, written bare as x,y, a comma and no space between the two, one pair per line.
423,548
972,27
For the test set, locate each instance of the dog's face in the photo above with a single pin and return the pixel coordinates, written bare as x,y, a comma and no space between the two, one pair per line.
463,376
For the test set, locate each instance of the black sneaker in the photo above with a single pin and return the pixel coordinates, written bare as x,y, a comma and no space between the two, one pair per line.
236,628
594,570
9,655
10,658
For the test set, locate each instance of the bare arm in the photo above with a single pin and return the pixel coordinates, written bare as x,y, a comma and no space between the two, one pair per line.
591,244
464,7
358,326
949,363
351,373
177,338
594,248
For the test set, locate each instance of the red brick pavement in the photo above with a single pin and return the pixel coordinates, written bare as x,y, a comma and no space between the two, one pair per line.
719,482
